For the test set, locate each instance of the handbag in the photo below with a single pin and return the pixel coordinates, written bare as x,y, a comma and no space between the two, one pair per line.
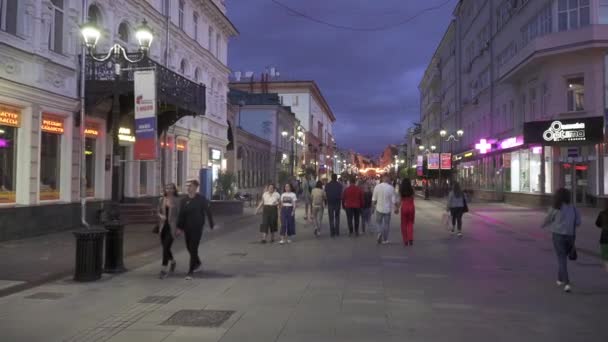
466,207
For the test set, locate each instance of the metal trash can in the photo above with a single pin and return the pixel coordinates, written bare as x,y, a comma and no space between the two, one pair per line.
114,247
89,254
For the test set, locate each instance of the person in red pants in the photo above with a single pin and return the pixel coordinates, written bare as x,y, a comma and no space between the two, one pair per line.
408,211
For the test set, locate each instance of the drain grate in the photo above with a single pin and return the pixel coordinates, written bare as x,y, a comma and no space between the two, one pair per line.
157,299
199,318
46,295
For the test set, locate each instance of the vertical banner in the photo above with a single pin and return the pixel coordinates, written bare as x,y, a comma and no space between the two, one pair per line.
446,161
145,115
433,161
419,165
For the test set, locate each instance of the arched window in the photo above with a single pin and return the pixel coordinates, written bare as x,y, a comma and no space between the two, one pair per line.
123,32
197,75
95,15
183,67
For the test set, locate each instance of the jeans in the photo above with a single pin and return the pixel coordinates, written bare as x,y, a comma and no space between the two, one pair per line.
288,222
193,239
456,213
333,210
166,241
317,216
562,245
366,214
353,214
384,224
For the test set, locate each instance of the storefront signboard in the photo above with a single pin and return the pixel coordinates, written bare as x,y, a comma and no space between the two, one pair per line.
124,134
511,142
9,117
419,165
216,155
91,130
145,115
446,161
433,161
52,124
581,131
483,146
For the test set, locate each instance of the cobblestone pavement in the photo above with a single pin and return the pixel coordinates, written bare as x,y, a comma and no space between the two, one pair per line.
496,283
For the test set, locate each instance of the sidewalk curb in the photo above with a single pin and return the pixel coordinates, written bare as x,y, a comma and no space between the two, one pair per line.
66,273
583,251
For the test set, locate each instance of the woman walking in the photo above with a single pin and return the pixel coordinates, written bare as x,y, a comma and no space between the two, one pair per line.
168,213
194,208
456,206
318,205
602,223
288,212
408,211
562,220
270,213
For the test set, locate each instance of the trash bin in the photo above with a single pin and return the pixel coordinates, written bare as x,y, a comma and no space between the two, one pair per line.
114,247
89,254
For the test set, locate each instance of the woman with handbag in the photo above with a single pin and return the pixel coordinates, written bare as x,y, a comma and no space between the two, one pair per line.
168,212
602,223
562,220
457,206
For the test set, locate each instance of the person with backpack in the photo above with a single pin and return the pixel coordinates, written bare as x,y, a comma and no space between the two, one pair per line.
561,221
457,206
602,223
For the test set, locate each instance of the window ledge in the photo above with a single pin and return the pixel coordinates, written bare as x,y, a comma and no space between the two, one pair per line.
576,112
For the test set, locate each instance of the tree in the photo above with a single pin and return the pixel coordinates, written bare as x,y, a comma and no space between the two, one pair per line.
224,185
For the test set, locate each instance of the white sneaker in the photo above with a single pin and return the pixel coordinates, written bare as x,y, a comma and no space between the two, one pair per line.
282,242
559,283
288,241
385,242
567,288
189,277
459,234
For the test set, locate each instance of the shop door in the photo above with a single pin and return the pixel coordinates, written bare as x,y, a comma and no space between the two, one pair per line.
575,179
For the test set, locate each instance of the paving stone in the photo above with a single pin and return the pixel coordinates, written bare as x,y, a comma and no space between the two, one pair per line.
199,318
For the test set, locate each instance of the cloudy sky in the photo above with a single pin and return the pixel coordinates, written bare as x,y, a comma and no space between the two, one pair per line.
369,78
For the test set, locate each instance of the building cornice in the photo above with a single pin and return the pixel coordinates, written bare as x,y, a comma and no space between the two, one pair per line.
220,18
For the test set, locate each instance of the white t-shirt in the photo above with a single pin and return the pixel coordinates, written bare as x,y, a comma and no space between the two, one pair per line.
271,198
288,199
384,196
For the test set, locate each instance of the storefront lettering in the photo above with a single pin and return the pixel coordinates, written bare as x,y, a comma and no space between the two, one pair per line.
124,134
9,118
52,125
91,132
565,132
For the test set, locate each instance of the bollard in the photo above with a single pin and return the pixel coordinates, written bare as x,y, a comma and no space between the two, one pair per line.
89,254
114,247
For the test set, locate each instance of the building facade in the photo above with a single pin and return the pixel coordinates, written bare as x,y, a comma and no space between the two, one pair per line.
530,97
40,44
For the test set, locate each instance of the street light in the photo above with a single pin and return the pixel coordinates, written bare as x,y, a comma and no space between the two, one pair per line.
451,139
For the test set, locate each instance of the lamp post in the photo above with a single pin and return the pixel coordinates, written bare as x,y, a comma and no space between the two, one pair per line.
117,54
451,139
294,147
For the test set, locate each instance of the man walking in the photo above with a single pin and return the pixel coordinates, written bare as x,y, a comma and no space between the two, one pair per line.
384,201
353,202
193,209
333,191
307,185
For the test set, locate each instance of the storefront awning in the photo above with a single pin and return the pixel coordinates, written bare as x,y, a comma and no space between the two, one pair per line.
177,96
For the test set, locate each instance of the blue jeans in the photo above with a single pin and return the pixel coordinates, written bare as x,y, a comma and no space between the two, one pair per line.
384,224
288,222
562,245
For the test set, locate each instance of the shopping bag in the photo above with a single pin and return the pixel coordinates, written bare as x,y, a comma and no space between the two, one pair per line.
445,220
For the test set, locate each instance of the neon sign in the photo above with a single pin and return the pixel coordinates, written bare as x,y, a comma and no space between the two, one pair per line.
565,132
124,134
9,117
511,142
52,125
483,146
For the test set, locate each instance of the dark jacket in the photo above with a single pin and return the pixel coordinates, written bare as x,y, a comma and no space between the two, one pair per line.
602,223
367,199
353,197
333,190
192,213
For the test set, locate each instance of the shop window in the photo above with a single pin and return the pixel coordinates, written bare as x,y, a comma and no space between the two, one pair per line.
548,169
9,123
50,157
576,94
89,156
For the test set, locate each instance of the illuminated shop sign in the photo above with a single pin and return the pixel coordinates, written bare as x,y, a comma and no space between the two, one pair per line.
9,117
511,142
468,154
181,146
52,124
566,131
91,130
216,154
483,147
124,134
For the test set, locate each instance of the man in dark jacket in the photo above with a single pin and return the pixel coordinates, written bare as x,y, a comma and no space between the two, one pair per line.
193,209
333,190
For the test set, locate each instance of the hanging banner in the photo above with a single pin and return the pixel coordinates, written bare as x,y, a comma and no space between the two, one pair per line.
433,161
446,161
419,165
145,115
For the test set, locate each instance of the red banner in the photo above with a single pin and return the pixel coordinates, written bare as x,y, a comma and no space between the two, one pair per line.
446,161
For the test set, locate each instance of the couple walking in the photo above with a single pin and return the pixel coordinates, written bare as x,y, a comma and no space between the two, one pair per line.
271,202
355,201
182,216
385,200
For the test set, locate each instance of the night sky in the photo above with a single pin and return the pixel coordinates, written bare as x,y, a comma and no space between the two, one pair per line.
369,78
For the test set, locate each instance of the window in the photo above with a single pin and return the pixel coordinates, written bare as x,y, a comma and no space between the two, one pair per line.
195,21
181,163
89,156
56,31
180,15
8,15
511,118
50,157
182,67
573,14
540,25
143,177
95,15
523,107
576,94
320,130
9,123
603,12
164,7
533,103
123,32
295,100
544,99
197,75
210,39
218,43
